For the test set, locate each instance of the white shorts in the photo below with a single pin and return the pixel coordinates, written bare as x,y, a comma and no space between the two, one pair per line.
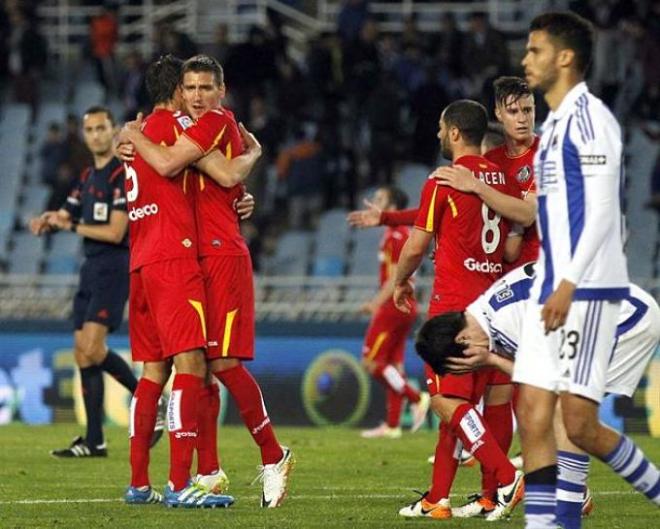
574,358
637,340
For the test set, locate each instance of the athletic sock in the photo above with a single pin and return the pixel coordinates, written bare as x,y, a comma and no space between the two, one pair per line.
245,391
182,410
144,408
116,366
207,448
571,485
629,462
394,402
93,390
477,439
541,499
390,377
447,452
500,423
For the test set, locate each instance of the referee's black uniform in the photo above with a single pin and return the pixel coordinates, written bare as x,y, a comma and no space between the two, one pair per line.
103,288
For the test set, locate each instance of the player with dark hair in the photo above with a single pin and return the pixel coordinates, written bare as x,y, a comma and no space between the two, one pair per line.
581,282
385,341
96,210
224,256
469,250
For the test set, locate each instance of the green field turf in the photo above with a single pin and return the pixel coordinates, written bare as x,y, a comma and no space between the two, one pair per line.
340,480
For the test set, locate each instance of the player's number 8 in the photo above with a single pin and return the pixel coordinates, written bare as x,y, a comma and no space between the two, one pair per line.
131,175
490,232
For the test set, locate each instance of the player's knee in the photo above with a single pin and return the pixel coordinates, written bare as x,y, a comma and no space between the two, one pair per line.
223,364
581,431
157,372
191,363
532,421
95,352
445,408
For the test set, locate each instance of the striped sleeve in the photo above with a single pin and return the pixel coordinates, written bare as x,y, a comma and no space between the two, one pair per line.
431,206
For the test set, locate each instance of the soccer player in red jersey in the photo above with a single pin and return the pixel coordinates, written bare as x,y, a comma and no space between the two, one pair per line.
167,303
224,256
385,341
469,250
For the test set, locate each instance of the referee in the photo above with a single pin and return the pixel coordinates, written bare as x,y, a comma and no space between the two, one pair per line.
95,209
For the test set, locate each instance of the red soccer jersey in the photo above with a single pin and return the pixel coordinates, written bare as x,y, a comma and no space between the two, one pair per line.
469,237
161,218
391,245
217,222
519,171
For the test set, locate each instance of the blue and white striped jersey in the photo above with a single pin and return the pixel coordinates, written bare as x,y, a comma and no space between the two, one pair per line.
578,170
500,311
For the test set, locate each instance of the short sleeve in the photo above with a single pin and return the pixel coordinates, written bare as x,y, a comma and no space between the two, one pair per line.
73,200
209,130
431,205
118,189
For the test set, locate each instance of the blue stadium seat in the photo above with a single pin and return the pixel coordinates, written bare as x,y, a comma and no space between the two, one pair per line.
15,119
61,264
65,244
88,93
291,255
331,266
411,179
34,202
332,233
26,255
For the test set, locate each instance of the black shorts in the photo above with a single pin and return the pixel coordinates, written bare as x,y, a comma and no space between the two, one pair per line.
102,292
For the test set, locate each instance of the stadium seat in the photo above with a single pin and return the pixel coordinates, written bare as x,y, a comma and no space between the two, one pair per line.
65,244
15,119
332,234
88,93
364,258
331,266
411,179
26,255
61,264
34,202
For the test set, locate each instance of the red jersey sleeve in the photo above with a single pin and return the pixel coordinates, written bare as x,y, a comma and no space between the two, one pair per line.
431,206
403,217
209,130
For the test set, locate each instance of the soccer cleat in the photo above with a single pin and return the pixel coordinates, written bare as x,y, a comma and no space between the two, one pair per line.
215,483
431,459
423,509
142,496
193,497
161,417
587,503
476,505
419,411
507,498
80,448
275,478
382,431
517,461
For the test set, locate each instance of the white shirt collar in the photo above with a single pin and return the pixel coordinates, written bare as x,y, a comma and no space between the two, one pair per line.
568,102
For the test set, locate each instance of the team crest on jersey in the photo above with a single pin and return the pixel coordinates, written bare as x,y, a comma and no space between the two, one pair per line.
185,121
524,174
187,243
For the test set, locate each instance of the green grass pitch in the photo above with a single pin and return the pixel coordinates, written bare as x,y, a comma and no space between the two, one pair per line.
339,481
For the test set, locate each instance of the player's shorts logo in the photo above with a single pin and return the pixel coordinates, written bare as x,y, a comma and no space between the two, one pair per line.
139,213
485,267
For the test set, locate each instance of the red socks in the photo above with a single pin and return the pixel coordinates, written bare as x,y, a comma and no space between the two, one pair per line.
207,426
500,423
445,465
144,408
394,402
389,376
182,413
477,439
245,390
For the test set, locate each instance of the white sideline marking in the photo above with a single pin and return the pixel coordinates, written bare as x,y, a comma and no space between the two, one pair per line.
314,497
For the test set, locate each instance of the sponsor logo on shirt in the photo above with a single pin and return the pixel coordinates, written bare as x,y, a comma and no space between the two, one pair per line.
139,213
485,267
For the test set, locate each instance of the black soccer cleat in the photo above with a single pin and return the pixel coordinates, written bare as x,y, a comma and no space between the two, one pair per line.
80,448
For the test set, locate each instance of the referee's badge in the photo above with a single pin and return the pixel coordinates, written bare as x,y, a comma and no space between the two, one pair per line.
524,174
100,211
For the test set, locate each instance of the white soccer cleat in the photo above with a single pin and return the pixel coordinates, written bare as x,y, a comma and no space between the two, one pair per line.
419,411
476,506
275,478
382,431
215,483
424,509
508,497
431,459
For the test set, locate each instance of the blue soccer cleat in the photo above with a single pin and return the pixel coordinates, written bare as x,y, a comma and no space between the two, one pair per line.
142,496
193,497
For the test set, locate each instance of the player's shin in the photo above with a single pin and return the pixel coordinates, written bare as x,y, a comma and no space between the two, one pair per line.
447,452
143,411
207,449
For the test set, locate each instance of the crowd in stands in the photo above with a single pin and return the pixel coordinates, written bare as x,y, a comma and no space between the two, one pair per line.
359,103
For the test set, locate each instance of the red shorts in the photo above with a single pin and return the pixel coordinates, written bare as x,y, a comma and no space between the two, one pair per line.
470,387
230,297
166,310
385,341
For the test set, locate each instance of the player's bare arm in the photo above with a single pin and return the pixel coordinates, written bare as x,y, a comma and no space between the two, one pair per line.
461,178
555,310
513,247
113,232
365,218
409,260
229,173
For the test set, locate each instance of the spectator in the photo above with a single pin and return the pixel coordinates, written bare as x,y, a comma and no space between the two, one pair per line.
362,64
78,155
448,46
352,17
133,89
53,153
103,37
409,69
27,57
171,41
219,48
